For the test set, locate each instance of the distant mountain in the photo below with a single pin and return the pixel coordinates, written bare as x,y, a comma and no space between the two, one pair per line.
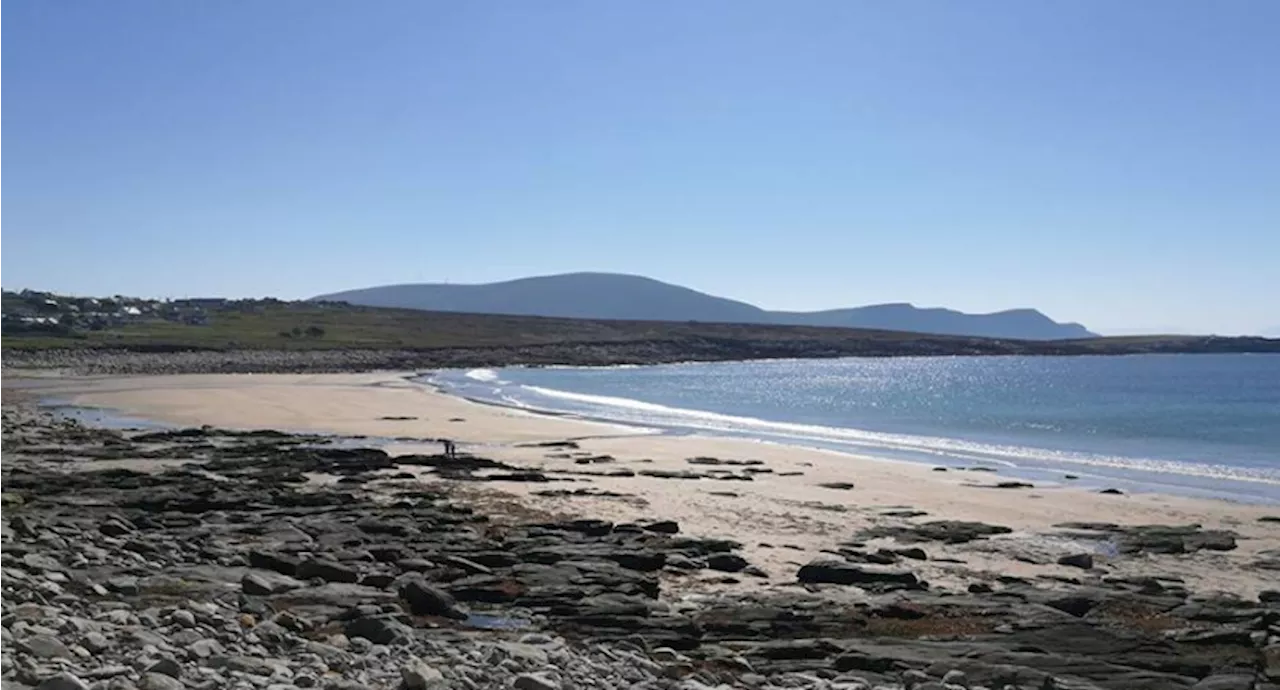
615,296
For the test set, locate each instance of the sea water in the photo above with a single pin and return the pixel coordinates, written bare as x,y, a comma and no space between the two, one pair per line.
1205,425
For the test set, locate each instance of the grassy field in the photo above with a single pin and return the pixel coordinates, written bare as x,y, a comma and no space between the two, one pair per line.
314,326
286,326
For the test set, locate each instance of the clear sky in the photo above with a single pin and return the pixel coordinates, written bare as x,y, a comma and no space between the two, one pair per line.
1113,163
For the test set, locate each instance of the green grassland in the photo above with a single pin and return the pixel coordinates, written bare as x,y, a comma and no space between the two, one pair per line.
308,326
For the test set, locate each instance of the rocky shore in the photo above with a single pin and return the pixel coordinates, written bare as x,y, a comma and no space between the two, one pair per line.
158,357
207,558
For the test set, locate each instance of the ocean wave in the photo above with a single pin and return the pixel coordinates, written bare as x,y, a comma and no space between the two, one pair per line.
628,410
486,375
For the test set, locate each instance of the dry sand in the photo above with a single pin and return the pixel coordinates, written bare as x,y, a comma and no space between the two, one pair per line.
783,521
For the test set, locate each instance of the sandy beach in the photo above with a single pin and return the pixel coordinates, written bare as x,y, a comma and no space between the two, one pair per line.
784,517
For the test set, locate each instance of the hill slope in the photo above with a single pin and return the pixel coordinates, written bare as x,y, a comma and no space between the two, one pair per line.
615,296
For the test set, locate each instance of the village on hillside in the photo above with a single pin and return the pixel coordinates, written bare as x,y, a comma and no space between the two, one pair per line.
35,311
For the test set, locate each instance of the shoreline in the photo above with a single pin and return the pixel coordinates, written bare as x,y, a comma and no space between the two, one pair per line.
1055,478
254,557
1135,477
783,514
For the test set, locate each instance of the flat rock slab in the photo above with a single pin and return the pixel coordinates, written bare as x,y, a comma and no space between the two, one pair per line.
841,572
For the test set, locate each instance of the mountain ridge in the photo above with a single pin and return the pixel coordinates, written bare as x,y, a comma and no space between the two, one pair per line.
623,296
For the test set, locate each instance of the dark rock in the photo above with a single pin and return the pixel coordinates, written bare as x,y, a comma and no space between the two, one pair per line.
841,486
377,580
327,570
846,573
1234,681
466,565
1078,560
1112,492
670,474
524,476
166,667
379,630
947,531
726,562
426,600
865,662
915,553
663,527
276,562
1014,485
415,565
1075,604
644,561
1173,539
45,647
264,583
124,584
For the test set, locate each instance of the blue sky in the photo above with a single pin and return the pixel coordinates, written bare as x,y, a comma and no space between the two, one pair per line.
1113,163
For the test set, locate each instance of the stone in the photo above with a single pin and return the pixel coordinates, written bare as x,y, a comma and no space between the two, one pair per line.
184,618
726,562
327,570
1077,560
266,583
95,642
466,564
418,675
663,527
39,561
203,649
535,681
62,681
840,486
124,584
167,667
828,570
1077,604
1232,681
955,677
946,531
45,647
115,528
379,630
426,600
159,681
280,563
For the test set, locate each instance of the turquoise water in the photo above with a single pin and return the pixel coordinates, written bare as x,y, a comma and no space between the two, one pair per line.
1190,424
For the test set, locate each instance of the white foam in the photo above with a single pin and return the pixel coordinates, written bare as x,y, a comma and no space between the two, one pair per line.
653,414
486,375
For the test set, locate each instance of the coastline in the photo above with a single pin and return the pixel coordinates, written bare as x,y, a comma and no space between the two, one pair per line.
782,519
553,553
